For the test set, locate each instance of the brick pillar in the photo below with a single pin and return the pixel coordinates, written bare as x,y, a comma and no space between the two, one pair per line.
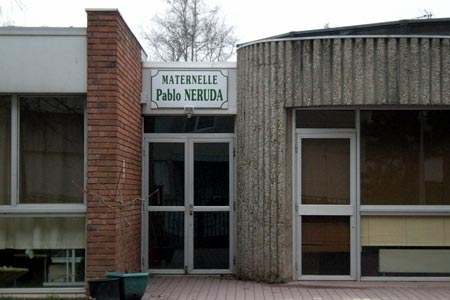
114,145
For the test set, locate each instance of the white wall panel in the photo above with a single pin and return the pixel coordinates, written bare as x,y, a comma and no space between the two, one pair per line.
43,60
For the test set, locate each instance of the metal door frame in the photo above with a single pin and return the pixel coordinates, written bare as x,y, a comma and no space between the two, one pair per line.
321,210
188,140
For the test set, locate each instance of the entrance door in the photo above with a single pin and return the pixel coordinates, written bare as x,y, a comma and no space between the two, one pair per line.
189,186
325,204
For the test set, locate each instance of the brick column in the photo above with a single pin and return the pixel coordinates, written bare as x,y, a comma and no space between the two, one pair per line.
114,144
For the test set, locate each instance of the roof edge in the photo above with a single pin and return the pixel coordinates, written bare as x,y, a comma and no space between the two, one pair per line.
42,31
391,28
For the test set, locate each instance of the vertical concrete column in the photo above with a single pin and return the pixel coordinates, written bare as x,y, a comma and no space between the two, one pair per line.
264,164
114,143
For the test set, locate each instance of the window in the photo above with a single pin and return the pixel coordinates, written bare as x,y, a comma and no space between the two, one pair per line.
47,168
51,150
195,124
42,251
405,157
325,119
5,150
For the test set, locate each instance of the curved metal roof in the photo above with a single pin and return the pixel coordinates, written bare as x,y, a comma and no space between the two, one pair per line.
418,27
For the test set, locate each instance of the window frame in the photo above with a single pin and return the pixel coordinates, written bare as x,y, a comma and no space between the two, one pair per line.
15,209
370,210
396,209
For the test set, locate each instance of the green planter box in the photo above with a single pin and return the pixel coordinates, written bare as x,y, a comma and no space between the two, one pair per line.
132,285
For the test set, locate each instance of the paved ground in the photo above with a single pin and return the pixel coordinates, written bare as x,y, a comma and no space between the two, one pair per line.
217,288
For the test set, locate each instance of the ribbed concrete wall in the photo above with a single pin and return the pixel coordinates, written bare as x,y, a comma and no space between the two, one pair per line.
263,210
276,76
369,71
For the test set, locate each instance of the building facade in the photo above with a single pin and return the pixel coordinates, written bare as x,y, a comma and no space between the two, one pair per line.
318,155
346,165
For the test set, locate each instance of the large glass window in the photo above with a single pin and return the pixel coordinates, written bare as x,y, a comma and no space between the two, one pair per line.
5,150
42,251
51,149
405,157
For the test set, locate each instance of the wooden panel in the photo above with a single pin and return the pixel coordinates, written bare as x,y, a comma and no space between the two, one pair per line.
325,237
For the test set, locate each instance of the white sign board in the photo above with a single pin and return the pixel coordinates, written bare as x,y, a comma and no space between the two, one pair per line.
189,88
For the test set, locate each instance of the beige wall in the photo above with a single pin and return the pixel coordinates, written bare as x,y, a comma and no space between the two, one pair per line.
276,76
405,231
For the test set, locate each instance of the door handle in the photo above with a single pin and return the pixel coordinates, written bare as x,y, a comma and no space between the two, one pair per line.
191,209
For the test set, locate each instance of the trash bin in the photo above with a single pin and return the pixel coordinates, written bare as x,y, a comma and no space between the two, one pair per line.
105,288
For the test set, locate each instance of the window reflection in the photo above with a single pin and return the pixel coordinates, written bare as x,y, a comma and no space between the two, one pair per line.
405,157
166,178
195,124
51,149
5,150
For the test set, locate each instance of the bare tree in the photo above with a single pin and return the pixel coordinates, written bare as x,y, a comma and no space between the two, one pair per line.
5,18
190,31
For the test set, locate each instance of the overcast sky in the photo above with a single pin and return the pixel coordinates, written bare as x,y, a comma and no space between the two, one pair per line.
252,19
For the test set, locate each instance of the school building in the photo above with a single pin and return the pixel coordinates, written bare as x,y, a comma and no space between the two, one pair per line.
318,155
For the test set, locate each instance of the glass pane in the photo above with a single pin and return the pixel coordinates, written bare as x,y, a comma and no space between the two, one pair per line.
325,245
166,178
325,119
42,251
405,246
28,268
166,240
5,150
195,124
326,171
211,240
405,157
211,174
51,149
42,232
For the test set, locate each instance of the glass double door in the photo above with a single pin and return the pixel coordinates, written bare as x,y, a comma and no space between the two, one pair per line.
189,188
325,205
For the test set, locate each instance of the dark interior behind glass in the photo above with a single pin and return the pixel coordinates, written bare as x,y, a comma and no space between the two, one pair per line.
405,157
195,124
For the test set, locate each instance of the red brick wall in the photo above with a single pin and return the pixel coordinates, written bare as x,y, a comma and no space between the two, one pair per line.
114,139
